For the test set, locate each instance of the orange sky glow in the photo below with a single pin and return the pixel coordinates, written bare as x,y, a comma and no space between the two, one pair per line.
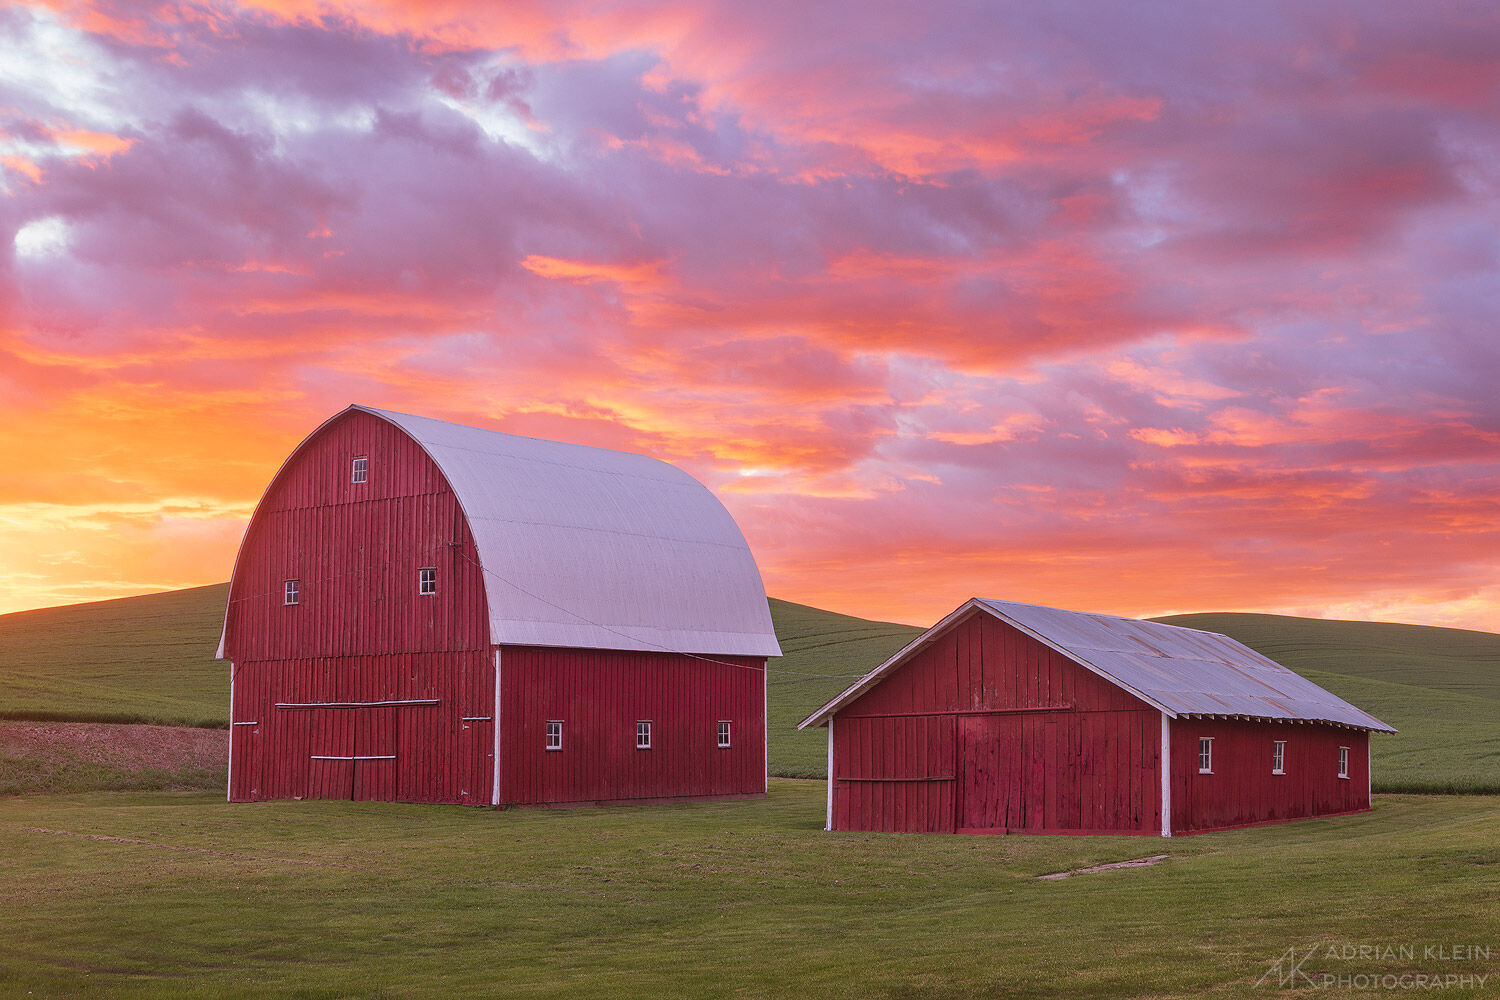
1081,305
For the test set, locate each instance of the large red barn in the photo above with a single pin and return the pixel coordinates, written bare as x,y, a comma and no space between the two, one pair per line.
423,611
1013,718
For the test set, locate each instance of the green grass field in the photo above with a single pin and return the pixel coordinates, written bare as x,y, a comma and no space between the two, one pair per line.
150,659
177,894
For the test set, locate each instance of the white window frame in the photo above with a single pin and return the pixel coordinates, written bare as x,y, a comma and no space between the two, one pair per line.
291,593
1205,755
1278,756
725,735
1344,763
554,734
427,584
359,469
643,732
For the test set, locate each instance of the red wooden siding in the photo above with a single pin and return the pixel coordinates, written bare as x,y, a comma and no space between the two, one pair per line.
1242,790
599,696
987,729
360,631
355,550
895,773
438,756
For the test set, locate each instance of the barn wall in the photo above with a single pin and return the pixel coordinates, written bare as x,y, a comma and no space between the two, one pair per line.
599,695
356,550
1242,789
361,631
987,729
441,752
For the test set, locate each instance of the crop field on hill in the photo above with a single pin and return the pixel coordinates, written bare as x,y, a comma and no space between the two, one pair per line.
178,894
136,659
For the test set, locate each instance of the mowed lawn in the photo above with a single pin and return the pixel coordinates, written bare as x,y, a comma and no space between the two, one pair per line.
179,894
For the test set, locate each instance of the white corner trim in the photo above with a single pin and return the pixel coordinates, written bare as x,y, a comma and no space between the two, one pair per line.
828,820
765,734
495,751
229,781
1369,770
1166,775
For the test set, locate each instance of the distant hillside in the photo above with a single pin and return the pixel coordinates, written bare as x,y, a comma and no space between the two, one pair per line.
818,642
150,659
136,659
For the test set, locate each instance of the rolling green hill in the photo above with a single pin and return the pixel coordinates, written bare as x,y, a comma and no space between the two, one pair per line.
136,659
150,659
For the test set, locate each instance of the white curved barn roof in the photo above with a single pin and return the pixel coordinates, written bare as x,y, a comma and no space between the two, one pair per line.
1181,671
586,547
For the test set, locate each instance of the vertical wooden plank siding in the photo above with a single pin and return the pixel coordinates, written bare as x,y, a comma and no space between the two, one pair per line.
1242,790
599,696
439,757
988,730
360,631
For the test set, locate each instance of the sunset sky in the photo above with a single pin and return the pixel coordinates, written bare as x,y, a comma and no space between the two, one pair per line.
1137,308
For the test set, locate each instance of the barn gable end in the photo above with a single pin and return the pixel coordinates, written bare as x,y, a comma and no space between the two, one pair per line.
985,729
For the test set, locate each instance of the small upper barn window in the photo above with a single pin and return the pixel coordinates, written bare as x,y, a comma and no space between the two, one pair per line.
426,582
1343,762
643,734
292,593
1278,757
723,733
359,470
1205,755
554,735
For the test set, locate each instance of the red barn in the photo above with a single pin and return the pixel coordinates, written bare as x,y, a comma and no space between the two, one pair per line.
428,612
1013,718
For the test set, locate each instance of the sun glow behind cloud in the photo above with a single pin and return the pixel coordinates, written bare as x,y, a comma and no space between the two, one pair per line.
1085,309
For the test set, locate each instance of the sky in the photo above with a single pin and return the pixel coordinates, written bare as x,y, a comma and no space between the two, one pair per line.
1132,308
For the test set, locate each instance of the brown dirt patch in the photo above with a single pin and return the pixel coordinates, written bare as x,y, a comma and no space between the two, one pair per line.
126,747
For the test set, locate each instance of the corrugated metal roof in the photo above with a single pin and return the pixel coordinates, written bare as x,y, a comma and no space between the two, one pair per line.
592,548
1181,671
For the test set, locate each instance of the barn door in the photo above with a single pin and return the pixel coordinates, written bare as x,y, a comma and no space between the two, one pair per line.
244,761
476,759
330,765
374,754
993,793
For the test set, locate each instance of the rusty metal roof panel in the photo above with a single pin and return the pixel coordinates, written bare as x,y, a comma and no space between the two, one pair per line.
1183,670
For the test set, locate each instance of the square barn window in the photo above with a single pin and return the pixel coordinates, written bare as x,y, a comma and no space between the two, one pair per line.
723,734
1343,762
1205,755
293,592
643,735
554,735
1278,757
359,471
426,582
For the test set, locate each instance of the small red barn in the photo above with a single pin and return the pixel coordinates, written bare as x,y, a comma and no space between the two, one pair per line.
1013,718
427,612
